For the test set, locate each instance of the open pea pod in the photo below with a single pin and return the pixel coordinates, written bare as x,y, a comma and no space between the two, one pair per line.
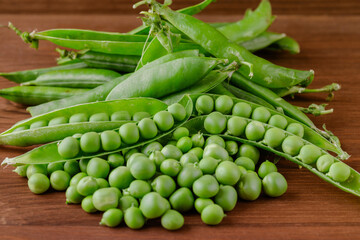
49,153
22,134
351,185
309,134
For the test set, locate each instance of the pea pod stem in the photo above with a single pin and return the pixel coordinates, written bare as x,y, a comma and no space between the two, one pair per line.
316,110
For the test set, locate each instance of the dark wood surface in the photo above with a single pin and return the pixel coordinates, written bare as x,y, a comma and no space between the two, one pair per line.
311,208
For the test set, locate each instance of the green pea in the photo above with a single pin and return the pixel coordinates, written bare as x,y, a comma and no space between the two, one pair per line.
208,165
246,150
147,128
226,198
164,120
59,180
36,168
172,220
78,117
188,175
157,157
126,202
69,147
141,115
309,154
198,152
274,137
99,117
236,126
151,147
242,109
274,184
324,162
227,173
292,145
224,104
103,183
90,142
170,167
38,124
73,196
129,133
112,217
54,166
120,177
129,153
180,132
115,160
177,111
231,147
254,131
246,162
278,121
152,205
138,188
134,218
214,139
201,203
204,105
58,121
215,151
87,205
72,167
98,168
83,164
249,186
172,152
339,172
296,129
121,116
215,123
38,183
21,170
206,186
188,158
242,170
87,186
110,140
182,200
76,178
164,185
135,156
106,198
184,144
266,168
142,168
22,128
261,114
212,214
198,140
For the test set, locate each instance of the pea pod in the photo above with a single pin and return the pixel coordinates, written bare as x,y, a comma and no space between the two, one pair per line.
21,133
49,153
262,41
221,90
287,43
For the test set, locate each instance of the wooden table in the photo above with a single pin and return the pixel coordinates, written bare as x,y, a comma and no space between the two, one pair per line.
311,208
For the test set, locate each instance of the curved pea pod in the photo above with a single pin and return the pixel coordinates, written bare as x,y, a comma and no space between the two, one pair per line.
351,185
49,153
21,133
263,40
309,134
285,44
75,78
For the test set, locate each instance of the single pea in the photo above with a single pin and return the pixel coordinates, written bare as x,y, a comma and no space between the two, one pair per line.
54,166
227,173
188,175
246,150
274,184
112,217
199,152
242,170
149,148
157,157
69,147
255,131
216,151
87,186
180,132
164,185
296,129
134,218
38,124
249,186
73,196
59,180
226,198
172,220
138,189
236,126
204,105
324,162
135,156
292,145
198,140
22,128
129,133
182,200
72,167
246,162
129,153
76,178
170,167
172,152
36,168
184,144
274,137
38,183
98,168
83,164
115,160
99,117
103,183
79,117
140,115
106,198
224,104
164,120
58,121
208,165
201,203
339,172
90,142
120,177
206,186
188,158
110,140
152,205
87,205
21,170
212,214
232,147
278,121
242,109
309,154
215,123
147,128
261,114
142,168
121,116
215,139
266,168
177,111
126,202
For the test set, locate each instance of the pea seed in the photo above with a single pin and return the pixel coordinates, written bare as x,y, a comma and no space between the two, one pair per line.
134,218
120,177
147,128
72,195
324,162
274,184
69,147
78,117
22,128
164,185
157,157
226,198
188,175
115,160
206,186
130,152
274,137
204,105
76,178
249,151
98,168
278,121
83,164
38,183
171,151
198,152
266,168
106,198
112,217
59,180
149,148
224,104
36,168
58,121
102,183
141,115
215,123
129,133
212,214
52,167
339,172
164,120
38,124
254,131
180,132
231,147
296,129
292,145
142,168
214,139
87,186
242,110
182,200
87,205
215,151
172,220
208,165
236,126
246,162
138,188
21,170
90,142
121,116
309,154
72,167
227,173
99,117
201,203
126,202
188,158
249,186
170,167
184,144
177,111
198,140
152,205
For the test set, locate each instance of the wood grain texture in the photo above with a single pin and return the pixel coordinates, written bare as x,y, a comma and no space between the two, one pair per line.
311,209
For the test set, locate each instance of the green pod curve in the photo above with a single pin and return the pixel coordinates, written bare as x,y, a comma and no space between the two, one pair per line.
262,41
352,185
221,90
286,44
57,132
49,153
34,95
